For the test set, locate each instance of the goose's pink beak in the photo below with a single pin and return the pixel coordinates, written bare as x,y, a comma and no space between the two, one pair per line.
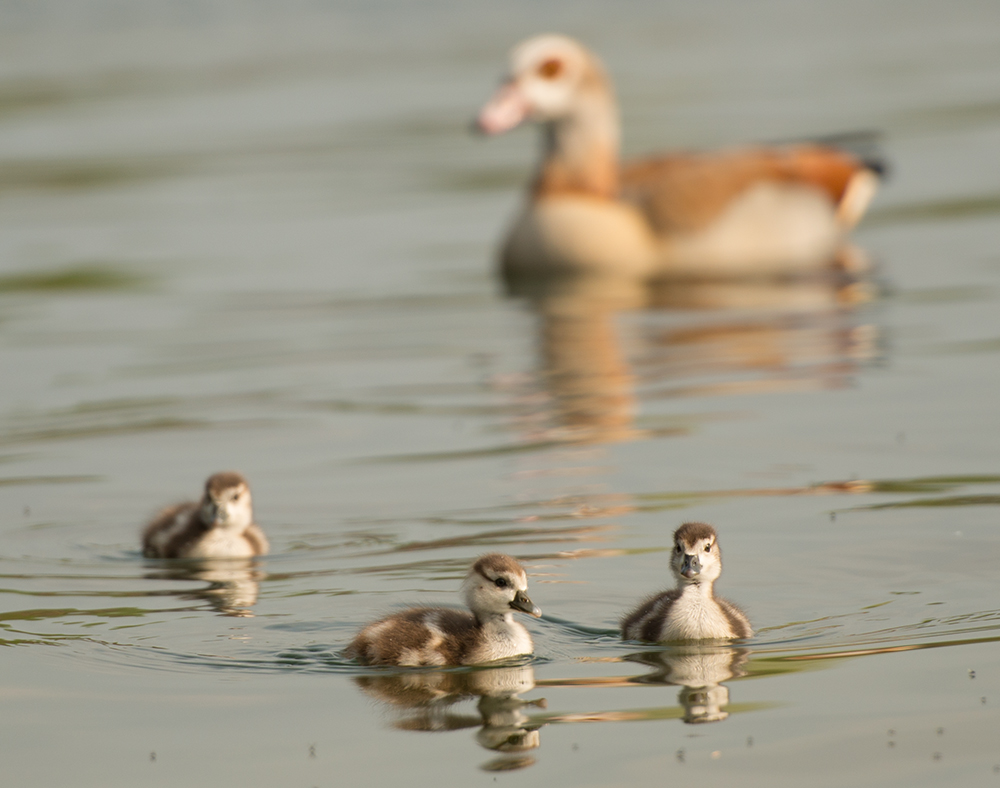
504,111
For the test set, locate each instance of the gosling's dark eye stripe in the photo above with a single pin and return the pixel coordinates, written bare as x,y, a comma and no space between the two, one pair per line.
512,582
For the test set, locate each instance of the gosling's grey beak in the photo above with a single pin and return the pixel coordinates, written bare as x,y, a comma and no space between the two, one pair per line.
525,605
691,566
212,514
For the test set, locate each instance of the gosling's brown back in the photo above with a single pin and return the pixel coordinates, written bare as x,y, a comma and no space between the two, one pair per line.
183,524
423,635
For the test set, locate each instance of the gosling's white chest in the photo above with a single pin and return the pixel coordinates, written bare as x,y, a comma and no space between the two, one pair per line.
695,615
501,640
219,543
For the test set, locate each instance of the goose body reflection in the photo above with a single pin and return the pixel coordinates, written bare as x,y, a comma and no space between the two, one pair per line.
691,611
426,701
219,526
699,669
495,587
604,339
231,585
763,210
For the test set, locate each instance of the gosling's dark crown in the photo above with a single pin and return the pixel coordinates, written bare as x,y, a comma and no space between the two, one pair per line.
690,533
492,565
220,482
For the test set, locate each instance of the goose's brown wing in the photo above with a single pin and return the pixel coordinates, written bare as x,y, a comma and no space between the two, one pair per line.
686,192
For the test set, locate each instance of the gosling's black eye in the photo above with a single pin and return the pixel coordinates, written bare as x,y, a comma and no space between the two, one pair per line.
708,548
501,582
677,549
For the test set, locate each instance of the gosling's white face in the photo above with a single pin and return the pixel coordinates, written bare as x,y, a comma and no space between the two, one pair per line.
226,505
496,586
546,75
696,557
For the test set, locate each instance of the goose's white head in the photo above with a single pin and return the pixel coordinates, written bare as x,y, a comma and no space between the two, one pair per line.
551,78
496,585
696,557
226,503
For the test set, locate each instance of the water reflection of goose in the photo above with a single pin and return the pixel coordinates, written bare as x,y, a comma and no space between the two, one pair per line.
790,335
770,210
219,526
233,583
426,701
699,669
494,588
691,611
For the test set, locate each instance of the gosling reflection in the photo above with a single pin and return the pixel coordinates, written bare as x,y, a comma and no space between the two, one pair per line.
788,335
426,701
232,584
699,670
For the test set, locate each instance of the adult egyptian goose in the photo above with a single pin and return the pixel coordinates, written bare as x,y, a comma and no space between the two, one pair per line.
740,212
690,611
219,526
493,590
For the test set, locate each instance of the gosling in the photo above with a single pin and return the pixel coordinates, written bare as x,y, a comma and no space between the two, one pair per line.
494,588
691,611
219,526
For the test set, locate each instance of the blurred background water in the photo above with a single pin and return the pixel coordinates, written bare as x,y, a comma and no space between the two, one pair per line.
260,236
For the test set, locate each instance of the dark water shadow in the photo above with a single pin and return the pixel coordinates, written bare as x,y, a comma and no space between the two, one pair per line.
89,277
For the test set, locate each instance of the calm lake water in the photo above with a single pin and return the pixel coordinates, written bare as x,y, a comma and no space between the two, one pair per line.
260,236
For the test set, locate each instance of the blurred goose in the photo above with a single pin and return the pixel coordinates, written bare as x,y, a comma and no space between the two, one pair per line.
219,526
493,590
691,611
749,211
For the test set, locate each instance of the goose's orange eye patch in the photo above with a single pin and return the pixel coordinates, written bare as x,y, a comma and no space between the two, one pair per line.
550,69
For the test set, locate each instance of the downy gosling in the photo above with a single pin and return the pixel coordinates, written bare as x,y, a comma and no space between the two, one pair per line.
691,611
219,526
495,587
